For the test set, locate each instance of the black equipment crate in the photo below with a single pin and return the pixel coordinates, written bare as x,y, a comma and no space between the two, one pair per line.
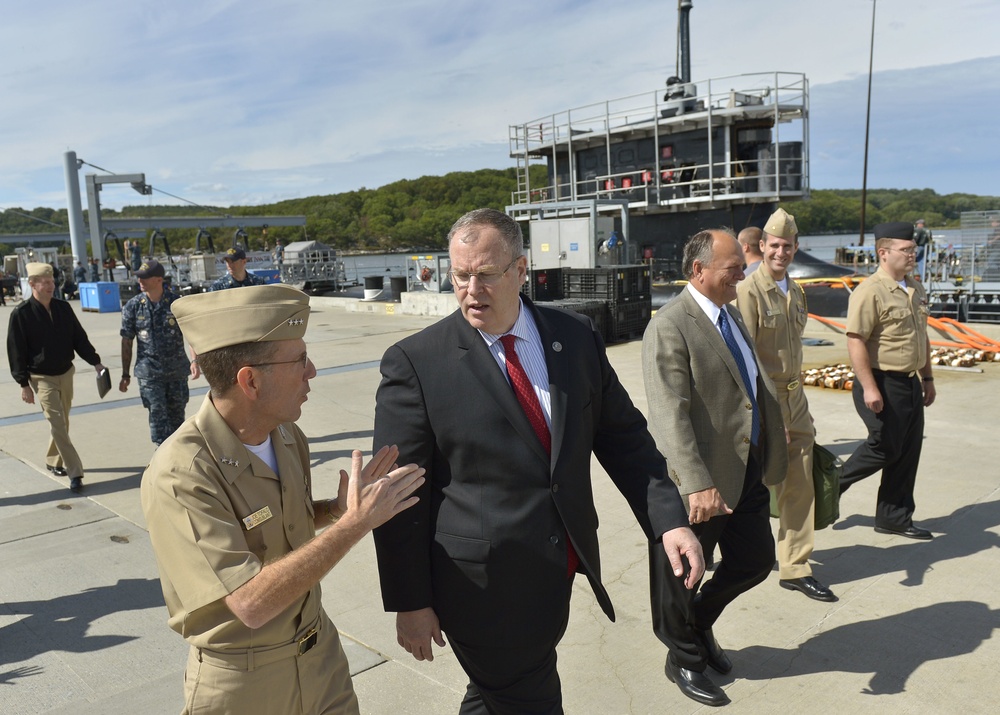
628,320
544,285
596,310
127,290
613,283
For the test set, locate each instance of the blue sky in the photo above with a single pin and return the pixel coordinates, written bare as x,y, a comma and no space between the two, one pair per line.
252,101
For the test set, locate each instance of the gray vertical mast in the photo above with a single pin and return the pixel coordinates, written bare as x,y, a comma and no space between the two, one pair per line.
683,40
74,210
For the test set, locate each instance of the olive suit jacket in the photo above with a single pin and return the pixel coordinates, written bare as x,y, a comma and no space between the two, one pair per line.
485,545
699,412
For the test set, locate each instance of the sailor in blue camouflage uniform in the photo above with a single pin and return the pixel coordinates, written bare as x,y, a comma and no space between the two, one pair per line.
237,276
162,366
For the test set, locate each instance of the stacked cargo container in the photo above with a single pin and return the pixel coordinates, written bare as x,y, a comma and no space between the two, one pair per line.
617,298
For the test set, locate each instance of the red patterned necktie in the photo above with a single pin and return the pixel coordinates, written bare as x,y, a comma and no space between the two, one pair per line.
533,409
526,393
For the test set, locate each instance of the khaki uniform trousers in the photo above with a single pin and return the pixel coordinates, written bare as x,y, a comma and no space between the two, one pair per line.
55,396
796,495
317,682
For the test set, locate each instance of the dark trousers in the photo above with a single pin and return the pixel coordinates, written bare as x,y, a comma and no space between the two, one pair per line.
747,547
166,401
513,681
895,437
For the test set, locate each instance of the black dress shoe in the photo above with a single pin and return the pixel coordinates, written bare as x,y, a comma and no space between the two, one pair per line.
76,484
910,532
695,685
810,587
717,658
58,471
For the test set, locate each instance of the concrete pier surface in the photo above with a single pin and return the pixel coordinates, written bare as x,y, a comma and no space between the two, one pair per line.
83,627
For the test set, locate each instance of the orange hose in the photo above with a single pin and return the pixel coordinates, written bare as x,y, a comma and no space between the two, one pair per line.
959,346
964,340
962,327
828,321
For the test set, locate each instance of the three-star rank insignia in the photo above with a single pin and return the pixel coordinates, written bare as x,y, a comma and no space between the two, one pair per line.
230,461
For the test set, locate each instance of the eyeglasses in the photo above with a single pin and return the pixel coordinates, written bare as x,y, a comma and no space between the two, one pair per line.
303,358
911,251
487,278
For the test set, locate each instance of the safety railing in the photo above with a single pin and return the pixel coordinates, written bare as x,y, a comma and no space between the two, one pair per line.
779,100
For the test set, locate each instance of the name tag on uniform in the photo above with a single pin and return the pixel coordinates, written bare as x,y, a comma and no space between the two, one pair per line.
771,313
257,518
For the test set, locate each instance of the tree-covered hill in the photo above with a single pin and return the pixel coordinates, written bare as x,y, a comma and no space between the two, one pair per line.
839,210
417,213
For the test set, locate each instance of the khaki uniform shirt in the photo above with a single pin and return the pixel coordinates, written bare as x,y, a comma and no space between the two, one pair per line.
891,320
216,514
776,322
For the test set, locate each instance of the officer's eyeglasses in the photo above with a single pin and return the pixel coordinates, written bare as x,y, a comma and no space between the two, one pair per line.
911,251
461,279
303,359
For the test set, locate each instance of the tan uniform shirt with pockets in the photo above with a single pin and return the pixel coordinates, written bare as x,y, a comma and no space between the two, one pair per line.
776,322
891,320
216,514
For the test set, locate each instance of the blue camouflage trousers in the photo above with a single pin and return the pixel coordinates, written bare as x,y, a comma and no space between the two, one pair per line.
166,401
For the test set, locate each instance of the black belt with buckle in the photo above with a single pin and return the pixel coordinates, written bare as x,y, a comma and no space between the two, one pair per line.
307,641
898,373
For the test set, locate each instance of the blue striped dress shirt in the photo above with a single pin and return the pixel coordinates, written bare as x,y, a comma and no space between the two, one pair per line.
528,345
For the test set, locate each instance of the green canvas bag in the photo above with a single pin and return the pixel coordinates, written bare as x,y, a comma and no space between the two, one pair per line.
827,468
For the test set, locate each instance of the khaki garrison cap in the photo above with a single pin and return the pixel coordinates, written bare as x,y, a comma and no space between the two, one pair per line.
252,314
782,225
37,270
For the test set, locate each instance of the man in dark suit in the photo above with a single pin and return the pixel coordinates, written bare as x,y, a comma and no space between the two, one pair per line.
715,417
503,403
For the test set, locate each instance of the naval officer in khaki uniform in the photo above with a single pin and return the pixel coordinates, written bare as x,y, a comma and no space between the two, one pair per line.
888,345
774,310
232,519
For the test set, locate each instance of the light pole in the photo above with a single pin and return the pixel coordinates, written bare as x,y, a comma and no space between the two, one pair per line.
868,118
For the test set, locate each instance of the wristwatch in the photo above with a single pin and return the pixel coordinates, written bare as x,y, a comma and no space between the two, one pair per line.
126,377
929,378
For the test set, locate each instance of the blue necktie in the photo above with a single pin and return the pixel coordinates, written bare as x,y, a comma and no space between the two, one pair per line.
734,348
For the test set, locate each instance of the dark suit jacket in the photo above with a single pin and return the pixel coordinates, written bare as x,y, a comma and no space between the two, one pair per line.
485,546
699,411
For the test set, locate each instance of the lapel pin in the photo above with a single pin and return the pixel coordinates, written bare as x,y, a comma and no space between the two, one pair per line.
557,346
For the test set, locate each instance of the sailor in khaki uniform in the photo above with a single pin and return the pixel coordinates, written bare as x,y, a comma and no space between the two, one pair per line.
229,506
774,311
887,341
